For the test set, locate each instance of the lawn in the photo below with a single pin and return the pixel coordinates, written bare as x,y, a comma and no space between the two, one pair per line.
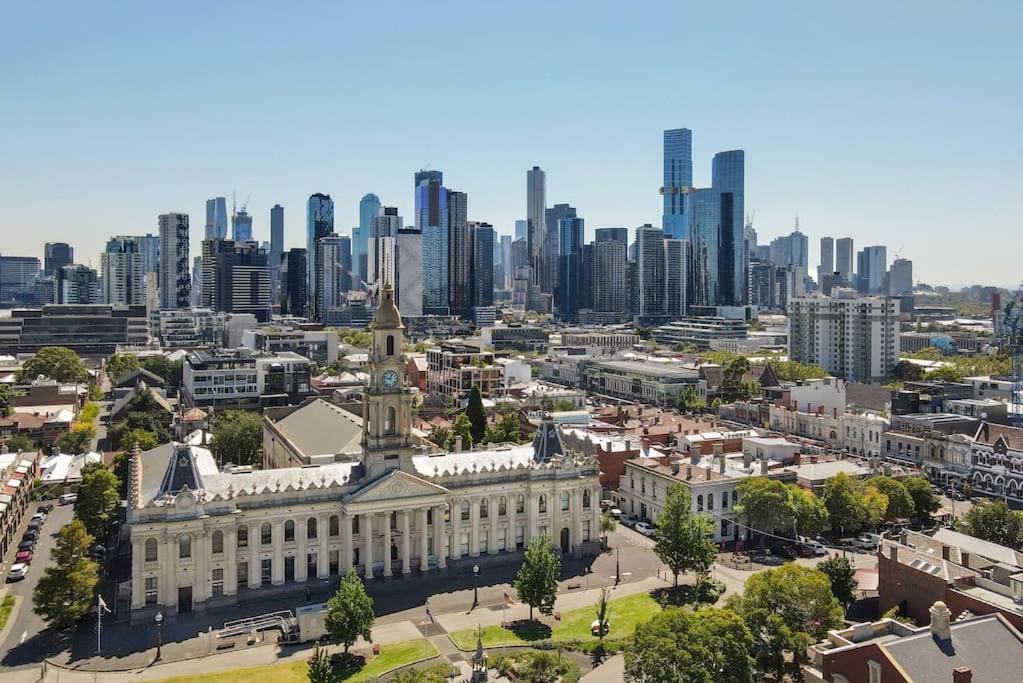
391,657
623,613
5,610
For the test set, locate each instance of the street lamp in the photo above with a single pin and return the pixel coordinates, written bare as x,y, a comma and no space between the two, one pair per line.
475,585
618,565
159,633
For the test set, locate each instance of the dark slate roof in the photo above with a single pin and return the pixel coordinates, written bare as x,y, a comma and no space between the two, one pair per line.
547,442
990,433
867,396
141,374
989,647
181,472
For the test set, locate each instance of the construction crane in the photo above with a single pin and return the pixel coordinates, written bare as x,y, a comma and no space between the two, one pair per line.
1008,339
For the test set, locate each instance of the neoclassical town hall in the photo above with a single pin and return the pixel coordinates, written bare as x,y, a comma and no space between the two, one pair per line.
201,537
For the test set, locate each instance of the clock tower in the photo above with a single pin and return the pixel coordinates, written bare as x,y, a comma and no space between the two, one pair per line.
387,404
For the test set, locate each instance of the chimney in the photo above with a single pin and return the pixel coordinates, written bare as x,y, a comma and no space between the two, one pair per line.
964,558
694,456
941,618
893,553
458,444
747,459
721,463
962,674
944,552
706,473
763,467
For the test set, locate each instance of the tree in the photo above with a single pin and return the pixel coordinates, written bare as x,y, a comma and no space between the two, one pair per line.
65,591
925,501
900,504
237,438
76,441
350,612
993,521
689,399
97,499
163,367
507,430
707,646
793,371
461,428
542,666
5,400
763,503
145,439
440,436
56,362
683,540
851,504
906,371
842,576
537,579
948,373
602,613
477,415
121,365
786,609
19,443
320,669
733,388
607,524
808,512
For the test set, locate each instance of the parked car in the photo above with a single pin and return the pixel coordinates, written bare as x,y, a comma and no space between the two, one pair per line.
868,541
46,508
68,498
17,572
30,535
27,545
627,520
786,551
24,556
615,513
35,523
644,528
40,515
811,549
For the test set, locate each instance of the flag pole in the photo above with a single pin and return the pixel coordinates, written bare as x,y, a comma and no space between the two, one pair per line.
99,623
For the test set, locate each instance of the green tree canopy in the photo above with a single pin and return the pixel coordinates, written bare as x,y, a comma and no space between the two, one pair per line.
537,579
763,503
97,499
507,429
462,427
121,365
689,399
350,612
906,371
808,512
440,436
707,646
238,438
925,501
993,521
842,576
683,541
852,504
793,371
320,669
19,443
56,362
161,366
900,504
65,591
477,415
76,441
5,400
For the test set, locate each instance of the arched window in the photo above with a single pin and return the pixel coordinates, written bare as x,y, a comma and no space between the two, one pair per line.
390,345
217,541
586,498
502,507
389,420
465,511
310,528
289,531
265,534
520,504
724,500
332,525
710,501
484,508
151,550
185,546
243,537
543,504
888,445
699,503
564,500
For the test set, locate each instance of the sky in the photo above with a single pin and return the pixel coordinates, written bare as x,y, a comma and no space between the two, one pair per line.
892,123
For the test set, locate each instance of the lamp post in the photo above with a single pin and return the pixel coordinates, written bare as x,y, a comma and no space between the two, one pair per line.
159,633
618,565
475,585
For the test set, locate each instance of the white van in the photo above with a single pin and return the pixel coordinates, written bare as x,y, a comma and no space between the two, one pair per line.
868,541
68,498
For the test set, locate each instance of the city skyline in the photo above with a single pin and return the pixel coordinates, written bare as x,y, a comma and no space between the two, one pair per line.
77,122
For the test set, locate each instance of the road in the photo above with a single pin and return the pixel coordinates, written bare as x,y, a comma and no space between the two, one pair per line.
26,622
99,442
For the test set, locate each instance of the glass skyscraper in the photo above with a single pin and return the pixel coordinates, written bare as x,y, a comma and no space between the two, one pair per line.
568,297
678,175
701,210
319,223
369,209
728,179
432,222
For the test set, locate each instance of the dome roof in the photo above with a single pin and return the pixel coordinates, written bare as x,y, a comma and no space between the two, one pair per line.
387,316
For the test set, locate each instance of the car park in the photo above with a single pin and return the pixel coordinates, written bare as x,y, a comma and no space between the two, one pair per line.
644,528
17,572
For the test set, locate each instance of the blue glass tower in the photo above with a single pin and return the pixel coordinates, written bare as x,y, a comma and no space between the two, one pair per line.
701,210
319,223
728,179
678,175
432,222
568,295
369,209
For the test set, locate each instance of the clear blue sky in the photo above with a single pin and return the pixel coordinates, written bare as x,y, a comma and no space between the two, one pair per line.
895,123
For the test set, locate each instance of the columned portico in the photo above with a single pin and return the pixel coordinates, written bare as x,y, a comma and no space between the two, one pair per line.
386,550
366,527
346,543
424,540
406,559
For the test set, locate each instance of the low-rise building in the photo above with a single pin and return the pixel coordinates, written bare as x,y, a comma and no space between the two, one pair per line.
94,331
605,342
243,379
319,346
699,331
516,337
190,328
316,432
642,381
19,472
454,368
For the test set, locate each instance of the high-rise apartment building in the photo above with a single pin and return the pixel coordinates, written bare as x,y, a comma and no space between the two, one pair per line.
827,260
276,235
702,213
844,258
507,263
608,291
77,284
382,247
433,222
871,270
678,176
216,219
294,285
122,266
330,290
56,255
241,278
319,223
175,280
728,179
900,277
460,292
369,210
408,275
650,270
241,226
676,277
481,272
854,338
613,235
552,217
536,228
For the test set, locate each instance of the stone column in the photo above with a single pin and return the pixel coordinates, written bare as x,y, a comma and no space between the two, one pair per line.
301,566
512,520
474,527
231,566
277,567
387,544
493,506
169,588
456,535
366,526
424,541
575,502
138,588
406,560
531,512
345,561
254,539
439,534
595,513
323,551
202,549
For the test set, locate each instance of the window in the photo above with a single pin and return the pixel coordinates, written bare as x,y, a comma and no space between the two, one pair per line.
464,511
289,531
699,503
151,550
502,539
542,504
218,583
389,420
710,501
520,536
586,498
520,504
151,590
724,500
484,543
875,671
243,574
502,507
390,345
564,500
735,498
332,525
265,534
185,547
463,543
217,542
586,530
484,508
888,445
243,537
310,528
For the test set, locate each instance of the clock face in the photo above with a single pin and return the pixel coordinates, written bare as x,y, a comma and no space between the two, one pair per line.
390,379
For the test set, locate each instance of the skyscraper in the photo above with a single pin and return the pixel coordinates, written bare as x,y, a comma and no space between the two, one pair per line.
241,226
871,270
568,297
149,246
900,277
678,175
728,179
460,293
552,217
408,276
827,262
319,223
432,221
276,235
369,209
56,255
216,219
330,290
241,278
481,272
294,286
613,235
77,284
175,280
608,291
790,250
536,228
650,270
381,248
123,273
844,258
702,214
676,277
521,230
505,249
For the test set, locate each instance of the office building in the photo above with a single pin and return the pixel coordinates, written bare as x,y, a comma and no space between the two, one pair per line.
175,280
702,211
791,250
216,219
369,209
900,277
827,261
276,235
241,279
382,246
844,258
728,181
568,296
481,272
90,330
854,338
56,255
294,294
77,284
678,176
522,230
433,222
17,275
552,217
330,290
408,276
319,223
122,269
871,270
241,226
536,228
459,254
676,277
613,235
700,331
650,271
